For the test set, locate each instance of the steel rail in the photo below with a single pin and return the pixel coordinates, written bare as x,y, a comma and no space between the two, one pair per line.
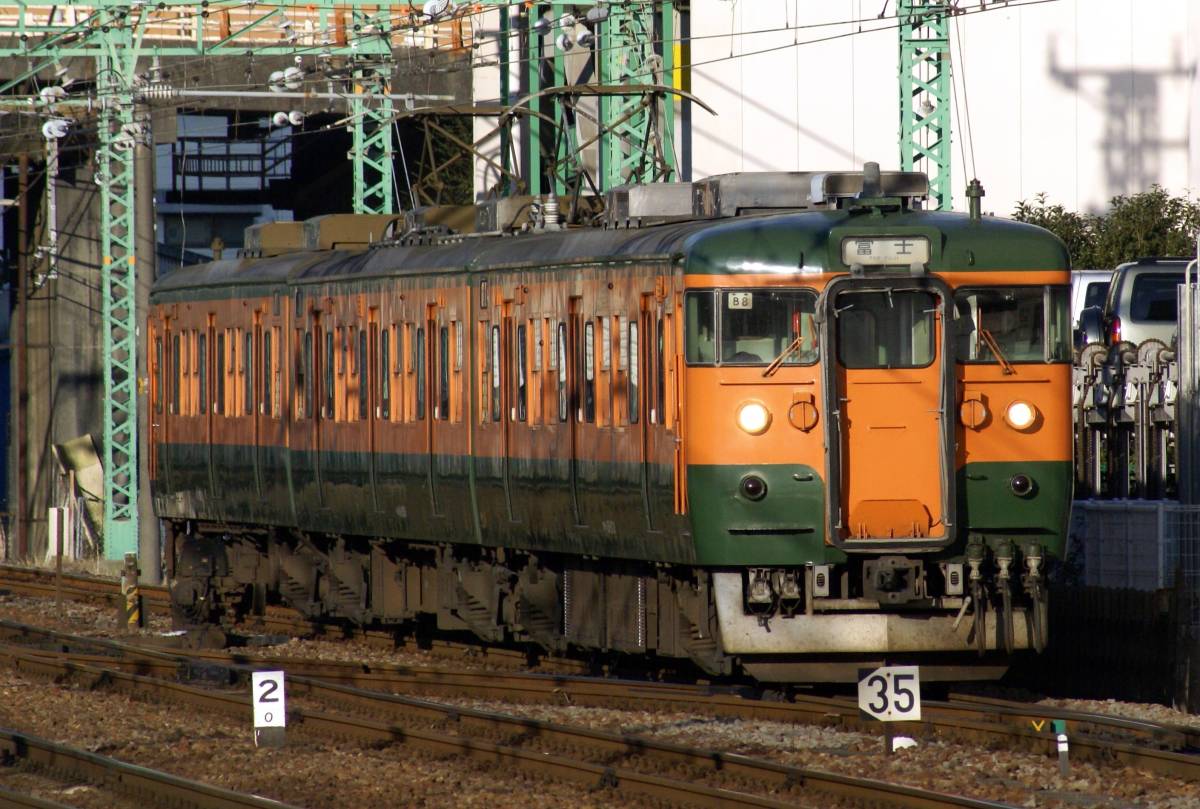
165,788
11,799
611,747
986,724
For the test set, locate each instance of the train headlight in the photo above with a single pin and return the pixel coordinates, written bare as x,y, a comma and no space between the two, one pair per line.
754,418
1020,415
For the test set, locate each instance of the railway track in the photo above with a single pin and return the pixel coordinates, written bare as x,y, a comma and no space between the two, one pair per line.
1158,748
630,766
156,788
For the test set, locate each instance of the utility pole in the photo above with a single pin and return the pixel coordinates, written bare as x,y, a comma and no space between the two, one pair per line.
925,87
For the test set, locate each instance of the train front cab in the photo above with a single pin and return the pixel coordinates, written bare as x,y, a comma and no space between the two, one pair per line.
877,464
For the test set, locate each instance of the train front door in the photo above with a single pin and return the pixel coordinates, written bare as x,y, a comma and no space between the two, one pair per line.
888,387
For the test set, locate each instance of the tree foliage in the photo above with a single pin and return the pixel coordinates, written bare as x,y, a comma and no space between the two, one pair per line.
1152,223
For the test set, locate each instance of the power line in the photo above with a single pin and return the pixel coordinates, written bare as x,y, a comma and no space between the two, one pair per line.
982,8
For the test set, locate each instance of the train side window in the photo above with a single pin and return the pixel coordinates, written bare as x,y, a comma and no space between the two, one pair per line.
201,372
621,371
268,403
543,337
420,351
701,321
219,399
589,372
327,408
176,374
456,392
410,370
385,375
483,357
1059,339
298,374
558,356
660,381
522,382
248,370
495,373
443,360
401,347
158,374
364,386
310,375
631,349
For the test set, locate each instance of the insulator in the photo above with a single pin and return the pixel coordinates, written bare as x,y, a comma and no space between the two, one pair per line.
157,92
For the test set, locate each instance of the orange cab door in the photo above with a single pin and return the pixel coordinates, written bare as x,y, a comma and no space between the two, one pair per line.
891,455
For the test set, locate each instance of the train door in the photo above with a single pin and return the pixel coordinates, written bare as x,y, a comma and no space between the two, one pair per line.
205,355
251,351
371,381
507,403
157,376
573,363
641,359
303,442
270,431
889,385
429,397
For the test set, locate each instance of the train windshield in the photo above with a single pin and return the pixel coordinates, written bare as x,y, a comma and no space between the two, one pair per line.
751,326
886,328
1025,324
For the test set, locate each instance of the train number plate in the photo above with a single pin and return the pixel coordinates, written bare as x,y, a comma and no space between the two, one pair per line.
741,300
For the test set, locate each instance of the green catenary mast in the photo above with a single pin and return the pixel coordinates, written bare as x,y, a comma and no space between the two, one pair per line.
113,32
925,86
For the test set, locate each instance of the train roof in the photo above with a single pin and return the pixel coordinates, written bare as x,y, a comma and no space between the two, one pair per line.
800,241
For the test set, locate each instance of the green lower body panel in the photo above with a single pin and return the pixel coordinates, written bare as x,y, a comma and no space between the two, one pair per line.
611,510
786,526
991,508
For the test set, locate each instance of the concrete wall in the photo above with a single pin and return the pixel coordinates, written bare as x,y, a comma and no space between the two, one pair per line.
64,366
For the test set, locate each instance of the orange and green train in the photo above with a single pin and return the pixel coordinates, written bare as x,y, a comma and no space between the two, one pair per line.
791,425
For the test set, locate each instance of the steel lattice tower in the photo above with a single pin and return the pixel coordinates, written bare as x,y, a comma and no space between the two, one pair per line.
925,87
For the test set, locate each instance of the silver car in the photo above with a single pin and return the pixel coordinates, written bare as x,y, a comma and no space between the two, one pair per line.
1142,303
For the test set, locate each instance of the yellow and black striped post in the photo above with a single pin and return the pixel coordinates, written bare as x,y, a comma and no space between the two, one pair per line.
131,602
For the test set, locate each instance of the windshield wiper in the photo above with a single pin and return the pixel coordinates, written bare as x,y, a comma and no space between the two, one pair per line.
994,347
775,363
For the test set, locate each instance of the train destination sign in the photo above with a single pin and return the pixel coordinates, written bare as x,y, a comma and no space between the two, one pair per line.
885,251
891,693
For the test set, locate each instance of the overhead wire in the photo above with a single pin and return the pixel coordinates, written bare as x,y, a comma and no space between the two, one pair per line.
962,65
982,7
